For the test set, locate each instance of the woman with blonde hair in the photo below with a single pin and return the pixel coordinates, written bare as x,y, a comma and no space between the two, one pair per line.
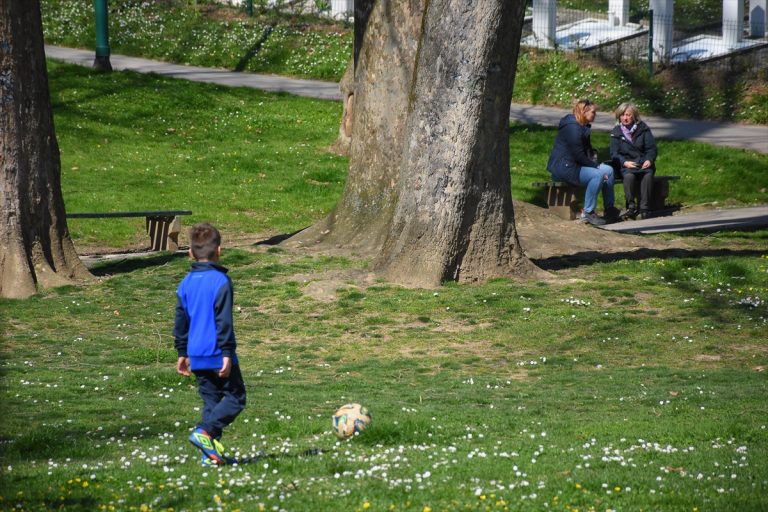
574,160
633,151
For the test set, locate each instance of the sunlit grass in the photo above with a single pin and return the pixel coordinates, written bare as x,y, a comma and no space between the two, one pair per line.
627,385
304,45
236,157
259,163
630,385
192,33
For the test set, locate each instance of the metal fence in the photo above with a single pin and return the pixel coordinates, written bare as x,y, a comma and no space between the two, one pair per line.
652,36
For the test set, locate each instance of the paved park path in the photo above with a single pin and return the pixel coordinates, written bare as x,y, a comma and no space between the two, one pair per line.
750,137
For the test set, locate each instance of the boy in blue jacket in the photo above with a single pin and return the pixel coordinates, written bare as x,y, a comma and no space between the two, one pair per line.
205,341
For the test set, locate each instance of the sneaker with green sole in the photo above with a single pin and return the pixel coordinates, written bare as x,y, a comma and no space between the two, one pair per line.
203,440
220,448
206,462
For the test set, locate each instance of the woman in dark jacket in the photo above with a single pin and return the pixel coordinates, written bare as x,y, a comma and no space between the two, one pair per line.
575,161
633,150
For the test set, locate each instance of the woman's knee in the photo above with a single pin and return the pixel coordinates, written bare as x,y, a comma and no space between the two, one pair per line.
590,174
607,173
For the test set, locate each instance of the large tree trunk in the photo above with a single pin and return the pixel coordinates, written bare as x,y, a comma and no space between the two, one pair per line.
428,191
36,250
376,105
454,218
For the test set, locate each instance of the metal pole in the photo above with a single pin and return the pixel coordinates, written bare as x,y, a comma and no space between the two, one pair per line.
650,42
101,62
249,7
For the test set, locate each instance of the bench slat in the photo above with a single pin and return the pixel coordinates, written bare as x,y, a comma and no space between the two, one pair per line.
617,182
150,213
563,197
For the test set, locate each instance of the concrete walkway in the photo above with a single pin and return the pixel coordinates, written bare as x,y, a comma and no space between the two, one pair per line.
751,137
272,83
710,220
754,138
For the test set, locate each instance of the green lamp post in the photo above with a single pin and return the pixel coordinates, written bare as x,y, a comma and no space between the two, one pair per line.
101,62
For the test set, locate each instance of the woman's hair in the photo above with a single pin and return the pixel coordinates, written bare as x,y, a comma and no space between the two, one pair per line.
203,241
632,110
580,108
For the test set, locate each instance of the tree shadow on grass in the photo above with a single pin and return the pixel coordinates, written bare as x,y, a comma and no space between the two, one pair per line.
278,239
254,49
579,259
131,263
532,127
712,305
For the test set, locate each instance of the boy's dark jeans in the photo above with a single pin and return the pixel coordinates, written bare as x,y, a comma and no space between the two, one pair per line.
223,399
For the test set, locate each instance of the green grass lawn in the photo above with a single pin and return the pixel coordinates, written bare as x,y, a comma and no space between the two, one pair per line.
623,386
239,158
628,385
207,33
259,163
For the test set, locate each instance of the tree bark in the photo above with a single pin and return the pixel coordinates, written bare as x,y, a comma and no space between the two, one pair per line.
428,191
454,218
379,104
36,251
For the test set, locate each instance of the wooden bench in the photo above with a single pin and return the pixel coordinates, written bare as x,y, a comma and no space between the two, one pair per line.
163,227
564,199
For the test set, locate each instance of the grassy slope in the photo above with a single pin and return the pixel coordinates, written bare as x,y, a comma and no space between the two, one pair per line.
630,385
245,159
208,34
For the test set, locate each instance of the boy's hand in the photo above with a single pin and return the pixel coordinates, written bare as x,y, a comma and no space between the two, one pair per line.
226,367
182,366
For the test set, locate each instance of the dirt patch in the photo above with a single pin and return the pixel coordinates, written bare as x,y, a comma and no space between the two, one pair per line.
707,358
751,348
456,326
324,287
547,239
326,290
552,243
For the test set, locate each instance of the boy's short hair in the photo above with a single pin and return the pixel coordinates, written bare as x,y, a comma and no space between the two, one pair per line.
203,241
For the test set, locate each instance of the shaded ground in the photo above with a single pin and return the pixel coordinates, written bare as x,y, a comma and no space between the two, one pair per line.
554,244
546,237
543,235
551,242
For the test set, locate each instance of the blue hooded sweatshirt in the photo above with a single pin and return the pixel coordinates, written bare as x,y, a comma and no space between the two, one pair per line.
204,330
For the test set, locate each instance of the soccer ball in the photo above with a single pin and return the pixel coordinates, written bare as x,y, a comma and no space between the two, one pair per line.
350,419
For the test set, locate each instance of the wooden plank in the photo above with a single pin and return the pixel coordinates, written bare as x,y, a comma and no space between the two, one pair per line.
616,182
149,213
563,198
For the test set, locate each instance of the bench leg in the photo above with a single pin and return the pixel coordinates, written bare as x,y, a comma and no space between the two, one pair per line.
660,194
164,232
564,201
